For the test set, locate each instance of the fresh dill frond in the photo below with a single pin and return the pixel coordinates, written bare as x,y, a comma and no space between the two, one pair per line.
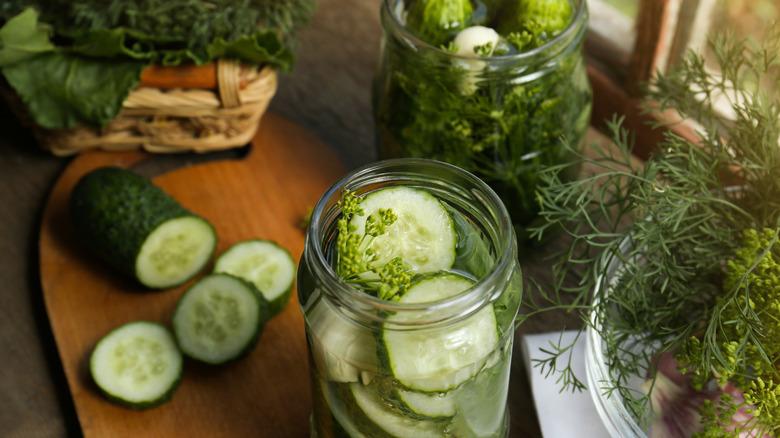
484,49
655,240
356,260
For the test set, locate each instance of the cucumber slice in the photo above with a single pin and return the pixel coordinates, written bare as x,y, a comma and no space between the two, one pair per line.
343,351
137,365
219,319
440,359
337,424
383,421
133,224
265,264
423,235
428,405
484,412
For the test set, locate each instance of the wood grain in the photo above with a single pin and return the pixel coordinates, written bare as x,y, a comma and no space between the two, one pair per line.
264,195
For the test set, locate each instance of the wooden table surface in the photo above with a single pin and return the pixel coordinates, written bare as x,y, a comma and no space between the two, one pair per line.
328,94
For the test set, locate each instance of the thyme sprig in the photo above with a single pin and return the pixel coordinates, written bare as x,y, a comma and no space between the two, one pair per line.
356,259
651,241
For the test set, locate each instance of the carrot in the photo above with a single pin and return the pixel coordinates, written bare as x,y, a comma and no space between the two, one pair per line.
180,76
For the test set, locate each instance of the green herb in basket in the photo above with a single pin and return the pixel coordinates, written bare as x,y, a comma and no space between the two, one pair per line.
694,232
74,62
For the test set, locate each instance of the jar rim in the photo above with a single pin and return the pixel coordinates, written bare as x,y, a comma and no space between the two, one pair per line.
573,28
471,300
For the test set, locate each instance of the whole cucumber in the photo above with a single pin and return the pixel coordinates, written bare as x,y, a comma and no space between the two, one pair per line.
138,228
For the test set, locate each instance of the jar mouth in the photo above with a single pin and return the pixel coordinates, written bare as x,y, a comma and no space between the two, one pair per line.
365,306
559,41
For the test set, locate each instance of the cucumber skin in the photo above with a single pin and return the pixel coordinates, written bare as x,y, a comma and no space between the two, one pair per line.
114,210
362,422
142,406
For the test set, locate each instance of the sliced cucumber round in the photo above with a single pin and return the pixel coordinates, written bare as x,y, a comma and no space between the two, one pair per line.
219,319
422,235
439,359
137,365
137,227
383,421
265,264
175,252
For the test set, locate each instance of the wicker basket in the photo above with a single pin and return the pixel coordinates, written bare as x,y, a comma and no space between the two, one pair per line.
178,119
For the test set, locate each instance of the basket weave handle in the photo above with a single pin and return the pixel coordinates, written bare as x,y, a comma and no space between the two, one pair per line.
228,82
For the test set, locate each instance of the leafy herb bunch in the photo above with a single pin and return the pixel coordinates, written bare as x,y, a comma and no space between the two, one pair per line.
74,62
680,253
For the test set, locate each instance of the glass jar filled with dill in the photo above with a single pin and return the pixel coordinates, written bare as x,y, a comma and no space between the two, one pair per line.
493,86
410,287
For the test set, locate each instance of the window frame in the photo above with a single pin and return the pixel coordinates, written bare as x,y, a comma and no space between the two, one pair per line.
623,53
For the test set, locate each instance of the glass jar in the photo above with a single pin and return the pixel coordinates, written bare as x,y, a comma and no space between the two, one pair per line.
501,117
366,377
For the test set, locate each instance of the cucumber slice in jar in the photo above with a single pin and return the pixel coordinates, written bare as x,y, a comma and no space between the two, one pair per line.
428,405
438,359
134,225
338,424
265,264
422,235
219,319
380,420
341,350
137,365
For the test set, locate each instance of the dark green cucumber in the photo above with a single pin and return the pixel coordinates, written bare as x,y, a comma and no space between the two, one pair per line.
220,319
137,227
137,365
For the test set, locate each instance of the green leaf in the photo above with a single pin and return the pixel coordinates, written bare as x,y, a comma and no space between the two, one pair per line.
110,43
62,90
265,47
22,38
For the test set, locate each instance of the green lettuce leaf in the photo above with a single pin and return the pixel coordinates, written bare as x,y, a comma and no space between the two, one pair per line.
264,47
261,48
22,38
62,90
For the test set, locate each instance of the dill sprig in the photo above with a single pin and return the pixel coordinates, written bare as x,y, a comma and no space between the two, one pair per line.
356,259
651,241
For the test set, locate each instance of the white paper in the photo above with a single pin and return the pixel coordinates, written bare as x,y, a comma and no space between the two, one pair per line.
561,414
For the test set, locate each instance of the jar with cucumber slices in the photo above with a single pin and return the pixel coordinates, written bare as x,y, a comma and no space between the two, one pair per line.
496,87
409,285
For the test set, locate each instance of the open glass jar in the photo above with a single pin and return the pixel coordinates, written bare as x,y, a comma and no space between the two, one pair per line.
503,114
434,367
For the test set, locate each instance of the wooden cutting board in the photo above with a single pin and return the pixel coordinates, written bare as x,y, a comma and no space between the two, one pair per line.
264,195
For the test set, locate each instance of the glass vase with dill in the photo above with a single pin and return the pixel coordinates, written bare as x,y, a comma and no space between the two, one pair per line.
677,258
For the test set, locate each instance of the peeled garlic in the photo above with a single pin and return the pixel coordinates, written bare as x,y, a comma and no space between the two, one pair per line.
467,42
